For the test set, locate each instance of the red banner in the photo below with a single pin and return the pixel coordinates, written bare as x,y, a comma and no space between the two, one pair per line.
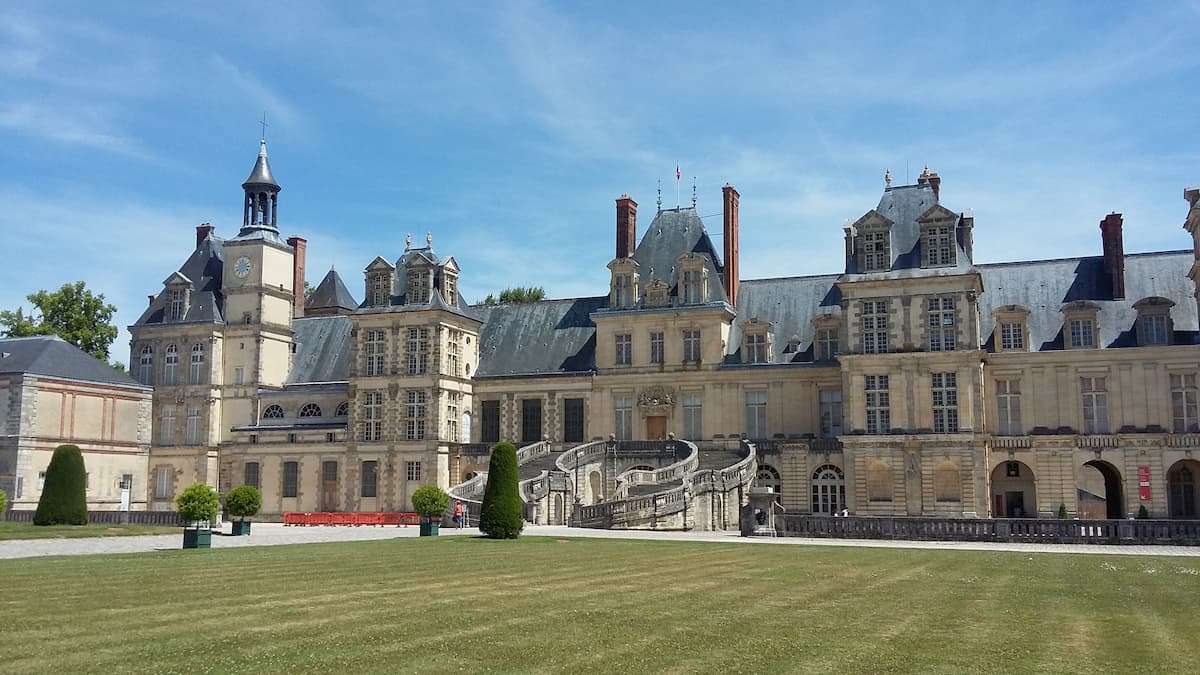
1144,483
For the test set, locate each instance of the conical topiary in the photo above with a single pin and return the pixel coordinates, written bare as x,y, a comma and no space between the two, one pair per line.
500,516
63,500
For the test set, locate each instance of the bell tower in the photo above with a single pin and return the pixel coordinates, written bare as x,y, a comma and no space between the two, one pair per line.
260,209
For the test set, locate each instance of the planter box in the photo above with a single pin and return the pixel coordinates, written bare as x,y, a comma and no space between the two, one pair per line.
194,538
429,528
241,527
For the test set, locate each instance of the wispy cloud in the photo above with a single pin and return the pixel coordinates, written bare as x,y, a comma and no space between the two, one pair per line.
73,127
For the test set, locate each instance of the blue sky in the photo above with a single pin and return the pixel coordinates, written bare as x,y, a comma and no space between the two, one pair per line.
508,129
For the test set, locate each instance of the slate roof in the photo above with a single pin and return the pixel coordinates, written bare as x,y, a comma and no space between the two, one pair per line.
790,304
261,173
322,349
425,257
903,205
538,338
331,293
672,233
203,268
52,356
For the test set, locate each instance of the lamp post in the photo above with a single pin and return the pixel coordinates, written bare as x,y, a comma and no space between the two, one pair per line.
609,448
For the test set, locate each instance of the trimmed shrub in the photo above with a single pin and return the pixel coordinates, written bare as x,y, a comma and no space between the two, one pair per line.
1062,512
243,502
430,501
500,516
1143,514
3,502
198,503
63,500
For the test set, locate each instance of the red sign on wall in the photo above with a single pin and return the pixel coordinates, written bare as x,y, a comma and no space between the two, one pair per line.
1144,483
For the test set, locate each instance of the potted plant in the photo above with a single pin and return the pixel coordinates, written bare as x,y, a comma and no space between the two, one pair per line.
242,503
430,502
198,506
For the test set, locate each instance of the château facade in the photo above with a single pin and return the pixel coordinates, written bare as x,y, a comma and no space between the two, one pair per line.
912,382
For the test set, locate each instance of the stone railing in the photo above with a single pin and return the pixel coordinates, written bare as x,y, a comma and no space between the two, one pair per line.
472,490
1039,530
741,473
629,511
671,472
164,518
536,488
580,455
533,451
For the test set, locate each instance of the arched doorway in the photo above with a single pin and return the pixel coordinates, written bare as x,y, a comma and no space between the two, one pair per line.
828,490
597,490
558,515
768,477
1014,490
1098,491
1182,497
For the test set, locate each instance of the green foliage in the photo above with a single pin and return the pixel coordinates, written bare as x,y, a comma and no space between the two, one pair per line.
430,501
500,516
72,312
309,289
489,300
1062,512
3,501
1143,514
519,294
63,500
198,502
243,502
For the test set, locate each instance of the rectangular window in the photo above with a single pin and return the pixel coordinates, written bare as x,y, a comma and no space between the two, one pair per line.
291,438
291,479
412,470
827,344
164,482
370,479
693,287
373,416
381,290
878,404
693,417
624,349
1012,336
531,420
1183,404
239,375
624,288
756,414
197,371
941,324
146,366
657,352
756,348
166,427
41,481
451,289
193,427
170,363
1008,408
415,415
1154,330
875,251
691,346
250,474
453,351
176,305
374,349
939,246
418,350
945,402
623,418
1083,333
489,431
875,327
573,420
1095,405
418,287
453,398
831,413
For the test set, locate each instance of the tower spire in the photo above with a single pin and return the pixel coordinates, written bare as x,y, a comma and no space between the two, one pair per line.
261,203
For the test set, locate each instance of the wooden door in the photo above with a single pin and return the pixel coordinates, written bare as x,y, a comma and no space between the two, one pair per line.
656,428
329,485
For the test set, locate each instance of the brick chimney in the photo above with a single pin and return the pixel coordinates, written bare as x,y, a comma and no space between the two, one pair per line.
934,181
202,232
626,226
299,244
730,240
1114,253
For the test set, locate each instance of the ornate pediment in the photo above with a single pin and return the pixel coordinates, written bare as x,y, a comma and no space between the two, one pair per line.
872,220
657,398
937,214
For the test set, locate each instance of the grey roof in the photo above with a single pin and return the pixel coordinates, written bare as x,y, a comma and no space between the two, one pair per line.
331,293
424,257
790,304
322,349
672,233
261,173
552,336
204,269
52,356
903,205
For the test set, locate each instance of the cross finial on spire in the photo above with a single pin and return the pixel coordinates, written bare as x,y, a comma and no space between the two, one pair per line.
264,125
887,177
407,241
660,194
429,239
693,192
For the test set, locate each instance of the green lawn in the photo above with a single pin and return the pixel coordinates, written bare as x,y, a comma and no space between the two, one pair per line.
30,531
602,606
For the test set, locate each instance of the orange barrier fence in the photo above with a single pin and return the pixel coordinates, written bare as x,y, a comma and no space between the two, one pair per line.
331,518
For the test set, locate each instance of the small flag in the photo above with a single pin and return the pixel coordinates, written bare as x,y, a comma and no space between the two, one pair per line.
677,173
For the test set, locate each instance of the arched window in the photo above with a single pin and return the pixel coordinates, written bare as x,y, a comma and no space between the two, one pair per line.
273,412
768,477
310,410
197,373
169,364
146,363
343,409
828,490
947,486
879,482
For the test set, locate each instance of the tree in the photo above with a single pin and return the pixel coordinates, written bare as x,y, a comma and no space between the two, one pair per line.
3,501
430,501
309,289
63,501
515,295
198,503
73,313
243,502
500,516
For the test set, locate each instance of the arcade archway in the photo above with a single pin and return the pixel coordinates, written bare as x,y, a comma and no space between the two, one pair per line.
1013,490
1099,491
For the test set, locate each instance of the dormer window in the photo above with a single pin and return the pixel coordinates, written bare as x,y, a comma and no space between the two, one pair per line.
826,336
178,304
623,289
450,289
875,250
693,279
937,246
1080,325
1012,333
692,287
1154,326
380,289
418,287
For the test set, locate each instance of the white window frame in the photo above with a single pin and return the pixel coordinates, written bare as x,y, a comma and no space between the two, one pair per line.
830,409
623,418
941,323
1008,408
1184,418
877,396
416,401
1094,398
875,326
623,349
756,414
691,346
373,416
944,391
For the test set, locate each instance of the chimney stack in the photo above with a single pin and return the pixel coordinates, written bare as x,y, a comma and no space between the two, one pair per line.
1114,253
299,244
933,180
626,226
202,232
730,241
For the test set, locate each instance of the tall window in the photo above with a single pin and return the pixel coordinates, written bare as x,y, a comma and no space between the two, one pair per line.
693,417
239,375
1012,336
875,251
827,343
693,287
531,420
370,478
691,346
412,470
166,427
1153,330
878,402
657,352
831,413
756,348
291,479
415,414
177,305
453,398
453,350
945,402
373,416
170,363
489,430
146,366
418,287
381,290
1008,408
193,427
1183,404
374,348
624,349
1083,333
624,288
875,327
573,420
450,284
164,482
1095,405
197,373
418,350
623,418
828,490
251,474
941,324
939,246
756,414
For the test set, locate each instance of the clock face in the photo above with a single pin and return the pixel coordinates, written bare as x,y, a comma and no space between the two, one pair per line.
242,267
